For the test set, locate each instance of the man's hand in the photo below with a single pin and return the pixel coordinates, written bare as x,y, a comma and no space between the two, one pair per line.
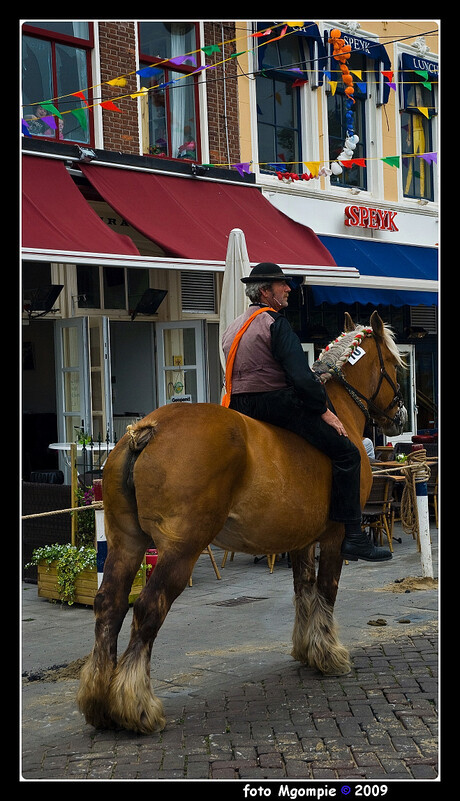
332,420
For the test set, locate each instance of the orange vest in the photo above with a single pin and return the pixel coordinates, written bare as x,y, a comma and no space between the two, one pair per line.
232,354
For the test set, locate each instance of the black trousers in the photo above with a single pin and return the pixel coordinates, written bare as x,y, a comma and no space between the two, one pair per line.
284,408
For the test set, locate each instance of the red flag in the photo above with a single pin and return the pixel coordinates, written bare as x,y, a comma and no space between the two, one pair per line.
110,106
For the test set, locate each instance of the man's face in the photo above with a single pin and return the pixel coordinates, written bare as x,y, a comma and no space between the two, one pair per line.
278,295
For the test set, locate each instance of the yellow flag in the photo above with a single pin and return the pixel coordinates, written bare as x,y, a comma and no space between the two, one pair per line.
424,110
117,82
295,23
142,91
333,85
359,73
313,167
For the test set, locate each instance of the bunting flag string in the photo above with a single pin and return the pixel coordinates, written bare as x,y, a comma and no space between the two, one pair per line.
341,53
208,50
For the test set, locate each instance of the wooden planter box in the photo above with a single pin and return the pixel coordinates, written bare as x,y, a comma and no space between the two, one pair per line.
85,584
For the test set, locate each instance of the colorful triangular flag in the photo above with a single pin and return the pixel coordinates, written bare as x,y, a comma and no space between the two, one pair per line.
109,105
80,114
52,109
388,74
183,59
81,96
208,49
429,157
313,167
393,161
142,91
424,110
117,82
242,168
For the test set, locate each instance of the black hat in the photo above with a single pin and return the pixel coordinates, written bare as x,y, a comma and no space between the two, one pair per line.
266,271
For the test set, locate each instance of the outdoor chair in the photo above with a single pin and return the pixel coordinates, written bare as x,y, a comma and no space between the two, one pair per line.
376,515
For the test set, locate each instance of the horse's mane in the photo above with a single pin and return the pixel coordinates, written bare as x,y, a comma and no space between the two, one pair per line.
339,351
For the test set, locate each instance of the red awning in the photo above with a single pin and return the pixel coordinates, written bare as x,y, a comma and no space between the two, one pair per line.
192,218
56,216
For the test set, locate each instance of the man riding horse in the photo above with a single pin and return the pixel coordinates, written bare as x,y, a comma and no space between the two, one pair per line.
268,378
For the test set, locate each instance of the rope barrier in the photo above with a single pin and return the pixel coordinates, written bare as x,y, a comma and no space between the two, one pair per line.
94,505
414,469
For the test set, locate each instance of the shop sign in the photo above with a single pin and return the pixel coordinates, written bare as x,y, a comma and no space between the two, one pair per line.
363,217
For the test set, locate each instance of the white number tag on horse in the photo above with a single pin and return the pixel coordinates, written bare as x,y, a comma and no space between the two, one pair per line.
356,355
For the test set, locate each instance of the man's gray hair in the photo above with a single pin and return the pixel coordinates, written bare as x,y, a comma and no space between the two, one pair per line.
252,291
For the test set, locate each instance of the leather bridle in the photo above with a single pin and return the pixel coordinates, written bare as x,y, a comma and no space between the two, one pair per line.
372,410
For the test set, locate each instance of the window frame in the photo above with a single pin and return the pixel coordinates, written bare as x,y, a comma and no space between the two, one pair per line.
87,45
167,67
411,112
277,73
337,181
100,282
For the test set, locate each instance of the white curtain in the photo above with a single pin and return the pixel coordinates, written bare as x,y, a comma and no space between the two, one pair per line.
177,93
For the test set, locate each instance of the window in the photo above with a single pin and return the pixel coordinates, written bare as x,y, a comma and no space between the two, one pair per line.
278,103
337,123
172,97
110,287
418,113
55,65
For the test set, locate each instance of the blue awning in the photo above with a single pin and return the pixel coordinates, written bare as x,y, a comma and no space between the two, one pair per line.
370,49
410,68
309,30
380,259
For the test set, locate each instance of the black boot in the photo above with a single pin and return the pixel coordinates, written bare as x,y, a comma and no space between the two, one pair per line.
357,545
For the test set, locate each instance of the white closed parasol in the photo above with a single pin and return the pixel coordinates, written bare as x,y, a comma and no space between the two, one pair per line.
233,301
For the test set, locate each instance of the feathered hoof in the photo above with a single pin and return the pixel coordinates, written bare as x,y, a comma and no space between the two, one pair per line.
92,696
335,662
146,720
132,704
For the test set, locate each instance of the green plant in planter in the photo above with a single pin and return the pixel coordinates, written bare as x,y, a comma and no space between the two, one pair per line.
86,525
70,561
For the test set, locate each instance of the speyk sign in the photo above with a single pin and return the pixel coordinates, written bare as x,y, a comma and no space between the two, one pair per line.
363,217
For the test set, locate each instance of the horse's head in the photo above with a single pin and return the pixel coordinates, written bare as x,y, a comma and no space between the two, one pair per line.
365,361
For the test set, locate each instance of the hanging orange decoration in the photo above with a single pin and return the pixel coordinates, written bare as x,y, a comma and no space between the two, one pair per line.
341,53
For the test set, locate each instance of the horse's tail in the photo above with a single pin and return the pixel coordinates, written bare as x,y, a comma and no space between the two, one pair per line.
139,435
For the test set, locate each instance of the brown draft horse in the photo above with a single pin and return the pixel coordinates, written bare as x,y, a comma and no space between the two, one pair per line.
245,486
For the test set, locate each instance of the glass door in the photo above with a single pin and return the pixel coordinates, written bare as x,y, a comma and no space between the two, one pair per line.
181,362
406,380
73,379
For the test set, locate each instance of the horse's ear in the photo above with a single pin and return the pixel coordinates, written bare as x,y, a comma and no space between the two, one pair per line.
349,324
377,324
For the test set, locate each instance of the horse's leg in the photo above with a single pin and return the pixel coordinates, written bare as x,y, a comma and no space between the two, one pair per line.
316,641
133,705
304,574
127,546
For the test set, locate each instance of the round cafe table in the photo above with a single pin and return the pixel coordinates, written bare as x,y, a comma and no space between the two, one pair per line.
97,450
